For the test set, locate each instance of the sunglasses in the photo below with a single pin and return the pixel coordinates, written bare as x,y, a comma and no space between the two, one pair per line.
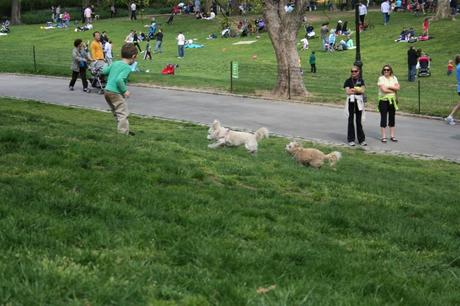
354,71
386,70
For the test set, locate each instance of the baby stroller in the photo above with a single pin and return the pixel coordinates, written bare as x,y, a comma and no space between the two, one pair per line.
423,66
97,80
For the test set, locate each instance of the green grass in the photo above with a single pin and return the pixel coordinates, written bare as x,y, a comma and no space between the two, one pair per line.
91,217
208,68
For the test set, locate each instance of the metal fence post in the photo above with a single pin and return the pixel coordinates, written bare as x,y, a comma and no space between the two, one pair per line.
35,61
289,83
419,96
231,76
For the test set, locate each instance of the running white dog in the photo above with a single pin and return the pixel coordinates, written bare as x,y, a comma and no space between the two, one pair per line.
311,156
227,137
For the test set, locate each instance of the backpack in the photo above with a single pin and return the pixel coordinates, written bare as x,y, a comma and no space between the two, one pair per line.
169,69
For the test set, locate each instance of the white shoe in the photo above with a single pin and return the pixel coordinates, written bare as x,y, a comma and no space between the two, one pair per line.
450,120
351,144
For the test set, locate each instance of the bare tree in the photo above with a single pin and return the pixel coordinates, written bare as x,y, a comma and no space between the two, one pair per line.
16,11
442,10
282,27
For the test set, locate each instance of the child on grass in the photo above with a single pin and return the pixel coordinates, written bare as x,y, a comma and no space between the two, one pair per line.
450,67
313,62
116,91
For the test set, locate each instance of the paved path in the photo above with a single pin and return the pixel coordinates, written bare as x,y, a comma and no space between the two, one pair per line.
425,137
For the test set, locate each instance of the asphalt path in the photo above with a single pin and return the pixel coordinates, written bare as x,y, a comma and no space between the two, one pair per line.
417,136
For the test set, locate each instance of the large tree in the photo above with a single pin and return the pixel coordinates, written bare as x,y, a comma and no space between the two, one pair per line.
442,10
282,29
16,11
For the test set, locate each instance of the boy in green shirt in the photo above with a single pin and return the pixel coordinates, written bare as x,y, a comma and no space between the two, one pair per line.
116,90
313,62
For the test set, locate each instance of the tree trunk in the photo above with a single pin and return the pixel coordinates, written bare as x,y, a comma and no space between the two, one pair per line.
16,11
282,29
207,6
443,10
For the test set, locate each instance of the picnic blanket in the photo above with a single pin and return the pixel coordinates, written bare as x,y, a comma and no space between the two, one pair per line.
194,46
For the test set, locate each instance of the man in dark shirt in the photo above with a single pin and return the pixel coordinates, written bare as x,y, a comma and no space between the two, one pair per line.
159,41
411,64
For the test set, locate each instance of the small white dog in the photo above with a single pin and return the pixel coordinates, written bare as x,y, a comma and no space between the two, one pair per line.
227,137
311,156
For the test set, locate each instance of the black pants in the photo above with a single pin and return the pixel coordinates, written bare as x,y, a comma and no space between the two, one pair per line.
133,15
138,46
387,109
352,111
147,54
361,18
313,68
82,74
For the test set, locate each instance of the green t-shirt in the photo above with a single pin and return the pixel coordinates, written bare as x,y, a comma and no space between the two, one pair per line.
118,74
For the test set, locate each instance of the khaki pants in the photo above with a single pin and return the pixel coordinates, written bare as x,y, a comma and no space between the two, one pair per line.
119,109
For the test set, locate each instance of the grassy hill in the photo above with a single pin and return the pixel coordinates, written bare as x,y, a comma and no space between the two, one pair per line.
209,67
91,217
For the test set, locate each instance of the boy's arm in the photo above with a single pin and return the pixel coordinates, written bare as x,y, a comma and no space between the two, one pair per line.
122,80
106,69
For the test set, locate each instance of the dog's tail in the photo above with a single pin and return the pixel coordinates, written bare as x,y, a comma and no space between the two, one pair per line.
333,158
261,133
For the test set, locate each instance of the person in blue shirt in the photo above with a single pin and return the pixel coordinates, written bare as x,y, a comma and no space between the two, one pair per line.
450,119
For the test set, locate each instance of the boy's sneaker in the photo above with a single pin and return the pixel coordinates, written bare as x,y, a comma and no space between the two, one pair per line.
131,133
363,143
71,88
450,120
86,90
351,144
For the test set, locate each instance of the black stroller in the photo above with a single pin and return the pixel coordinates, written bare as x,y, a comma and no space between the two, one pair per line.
424,66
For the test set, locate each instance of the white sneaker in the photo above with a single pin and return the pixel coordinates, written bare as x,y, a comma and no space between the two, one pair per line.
351,144
450,120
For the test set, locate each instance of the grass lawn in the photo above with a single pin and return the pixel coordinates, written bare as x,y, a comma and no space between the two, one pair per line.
91,217
209,67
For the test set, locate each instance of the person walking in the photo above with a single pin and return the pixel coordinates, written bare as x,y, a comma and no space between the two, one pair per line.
312,61
450,119
324,30
354,106
388,103
88,13
411,64
116,91
133,8
79,65
158,41
385,8
180,45
113,11
362,13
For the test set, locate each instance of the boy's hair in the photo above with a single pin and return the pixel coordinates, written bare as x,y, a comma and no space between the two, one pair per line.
457,59
128,50
312,52
94,34
77,42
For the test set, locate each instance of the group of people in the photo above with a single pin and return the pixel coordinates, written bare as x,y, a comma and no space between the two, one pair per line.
5,29
388,88
60,19
98,54
329,37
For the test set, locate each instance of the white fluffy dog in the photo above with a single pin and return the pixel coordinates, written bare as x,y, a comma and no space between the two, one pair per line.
312,157
227,137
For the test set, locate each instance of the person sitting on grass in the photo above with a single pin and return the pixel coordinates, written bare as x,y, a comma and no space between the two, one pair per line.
116,91
331,40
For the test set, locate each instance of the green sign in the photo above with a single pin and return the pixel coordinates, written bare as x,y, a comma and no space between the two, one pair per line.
235,70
